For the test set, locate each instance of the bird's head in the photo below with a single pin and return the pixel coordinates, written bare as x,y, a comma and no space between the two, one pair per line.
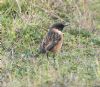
59,26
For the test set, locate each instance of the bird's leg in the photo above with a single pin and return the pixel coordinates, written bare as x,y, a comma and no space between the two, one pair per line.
54,58
47,54
55,65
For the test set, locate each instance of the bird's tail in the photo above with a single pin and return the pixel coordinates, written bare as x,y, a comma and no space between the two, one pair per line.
39,51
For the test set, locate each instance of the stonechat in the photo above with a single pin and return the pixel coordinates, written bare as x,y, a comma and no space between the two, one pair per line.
53,40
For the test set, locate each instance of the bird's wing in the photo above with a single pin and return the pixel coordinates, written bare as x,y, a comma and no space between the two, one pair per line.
55,38
45,42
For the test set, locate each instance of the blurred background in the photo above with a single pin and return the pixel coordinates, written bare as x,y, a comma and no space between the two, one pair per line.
23,24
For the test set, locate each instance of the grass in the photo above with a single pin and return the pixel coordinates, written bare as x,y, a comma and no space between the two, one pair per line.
76,67
23,25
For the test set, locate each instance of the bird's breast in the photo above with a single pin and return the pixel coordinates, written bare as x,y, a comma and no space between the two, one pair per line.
58,46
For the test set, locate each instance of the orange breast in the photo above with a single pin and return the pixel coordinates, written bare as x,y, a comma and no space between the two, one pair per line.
58,46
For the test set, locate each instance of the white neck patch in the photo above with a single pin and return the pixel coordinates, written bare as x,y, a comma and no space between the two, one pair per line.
56,30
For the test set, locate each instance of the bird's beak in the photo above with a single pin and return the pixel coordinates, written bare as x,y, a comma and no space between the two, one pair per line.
66,24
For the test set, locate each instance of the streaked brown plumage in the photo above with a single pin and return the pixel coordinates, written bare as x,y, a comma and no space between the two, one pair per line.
53,40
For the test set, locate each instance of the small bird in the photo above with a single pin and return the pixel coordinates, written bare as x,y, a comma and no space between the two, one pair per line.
53,40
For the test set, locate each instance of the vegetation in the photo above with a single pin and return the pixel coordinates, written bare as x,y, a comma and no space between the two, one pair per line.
23,24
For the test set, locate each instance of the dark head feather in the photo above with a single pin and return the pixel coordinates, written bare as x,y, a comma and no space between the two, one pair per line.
58,26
